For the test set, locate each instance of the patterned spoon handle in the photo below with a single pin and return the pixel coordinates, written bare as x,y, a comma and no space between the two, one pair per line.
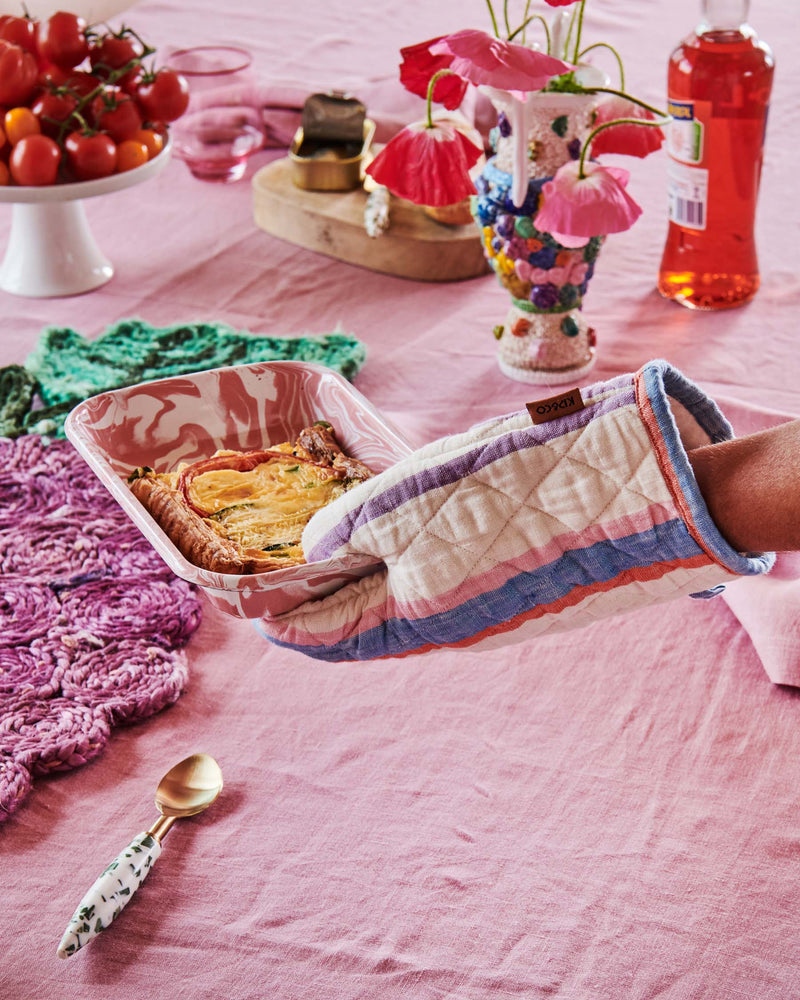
110,894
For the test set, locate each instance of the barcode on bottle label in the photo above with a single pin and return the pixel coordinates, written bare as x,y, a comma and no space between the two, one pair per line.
687,213
687,192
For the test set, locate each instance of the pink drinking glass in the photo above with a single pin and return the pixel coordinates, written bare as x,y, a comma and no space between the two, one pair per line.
223,124
213,68
216,142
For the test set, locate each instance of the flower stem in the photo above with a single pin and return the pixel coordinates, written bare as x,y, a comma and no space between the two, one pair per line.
494,19
632,99
525,22
563,55
505,17
429,104
617,121
524,25
617,56
579,32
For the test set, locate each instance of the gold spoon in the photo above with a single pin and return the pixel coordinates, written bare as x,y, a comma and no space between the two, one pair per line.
185,790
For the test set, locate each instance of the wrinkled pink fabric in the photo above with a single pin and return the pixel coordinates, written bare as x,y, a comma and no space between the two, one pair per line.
606,816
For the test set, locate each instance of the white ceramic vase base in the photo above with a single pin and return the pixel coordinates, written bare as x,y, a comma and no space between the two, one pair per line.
51,252
535,347
543,376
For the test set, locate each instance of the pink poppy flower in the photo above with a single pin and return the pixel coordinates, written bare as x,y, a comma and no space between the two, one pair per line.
483,59
560,3
419,65
576,208
631,140
428,165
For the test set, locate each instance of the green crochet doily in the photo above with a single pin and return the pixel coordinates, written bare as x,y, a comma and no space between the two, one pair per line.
65,368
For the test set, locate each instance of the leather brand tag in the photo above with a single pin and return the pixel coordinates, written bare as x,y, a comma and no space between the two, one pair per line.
542,410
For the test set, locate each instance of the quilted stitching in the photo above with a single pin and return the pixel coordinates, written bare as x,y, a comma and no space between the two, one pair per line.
424,529
457,522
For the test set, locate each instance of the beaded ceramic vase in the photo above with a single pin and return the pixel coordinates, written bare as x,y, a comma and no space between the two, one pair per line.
545,337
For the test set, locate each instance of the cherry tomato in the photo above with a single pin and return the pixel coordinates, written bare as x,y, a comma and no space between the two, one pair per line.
153,141
34,161
117,113
62,39
91,155
53,109
130,154
73,80
18,73
19,122
164,96
5,174
21,31
112,53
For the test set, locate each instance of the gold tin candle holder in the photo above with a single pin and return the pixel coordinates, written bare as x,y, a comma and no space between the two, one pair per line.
330,166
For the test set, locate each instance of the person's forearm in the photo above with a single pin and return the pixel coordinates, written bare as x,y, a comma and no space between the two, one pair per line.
751,486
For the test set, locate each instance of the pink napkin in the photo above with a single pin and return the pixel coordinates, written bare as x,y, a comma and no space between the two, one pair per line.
769,610
768,607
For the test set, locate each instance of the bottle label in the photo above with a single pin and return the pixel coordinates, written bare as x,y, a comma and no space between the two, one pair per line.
687,173
687,193
686,133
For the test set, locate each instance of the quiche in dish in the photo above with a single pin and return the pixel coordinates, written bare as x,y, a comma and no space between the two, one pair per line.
244,512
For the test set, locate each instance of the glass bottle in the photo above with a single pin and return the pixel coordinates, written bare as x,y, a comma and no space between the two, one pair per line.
719,83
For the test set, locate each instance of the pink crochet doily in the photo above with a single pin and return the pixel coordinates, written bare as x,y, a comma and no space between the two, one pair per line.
92,623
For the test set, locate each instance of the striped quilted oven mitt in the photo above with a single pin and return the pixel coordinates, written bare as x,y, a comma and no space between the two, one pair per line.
514,528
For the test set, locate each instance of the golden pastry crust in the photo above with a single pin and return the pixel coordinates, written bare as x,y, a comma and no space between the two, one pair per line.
244,512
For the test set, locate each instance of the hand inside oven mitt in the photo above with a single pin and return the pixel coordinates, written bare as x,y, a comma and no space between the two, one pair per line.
513,529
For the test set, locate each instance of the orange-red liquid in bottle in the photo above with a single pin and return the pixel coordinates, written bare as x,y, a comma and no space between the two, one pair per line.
719,83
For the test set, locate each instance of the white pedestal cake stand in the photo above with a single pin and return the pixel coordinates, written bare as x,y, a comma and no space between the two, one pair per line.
51,250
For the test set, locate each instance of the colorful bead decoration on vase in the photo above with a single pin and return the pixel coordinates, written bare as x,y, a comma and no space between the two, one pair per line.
544,338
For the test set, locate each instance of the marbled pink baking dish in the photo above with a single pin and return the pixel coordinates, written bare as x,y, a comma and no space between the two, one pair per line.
242,407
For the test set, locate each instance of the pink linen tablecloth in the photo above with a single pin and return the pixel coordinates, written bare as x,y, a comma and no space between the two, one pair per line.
605,814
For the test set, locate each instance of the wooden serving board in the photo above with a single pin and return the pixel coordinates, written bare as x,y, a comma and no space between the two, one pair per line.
332,223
